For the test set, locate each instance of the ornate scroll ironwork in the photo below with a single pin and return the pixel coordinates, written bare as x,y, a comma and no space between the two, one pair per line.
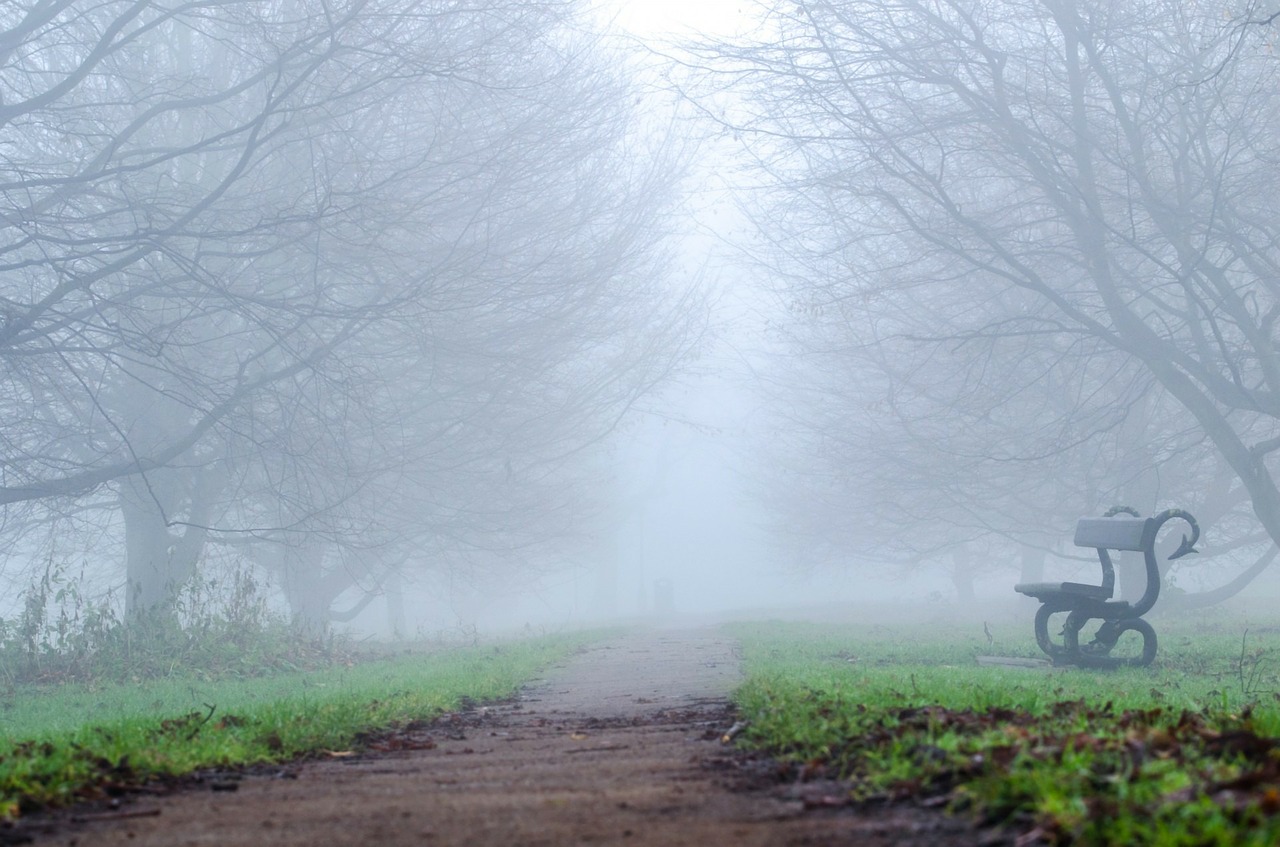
1083,602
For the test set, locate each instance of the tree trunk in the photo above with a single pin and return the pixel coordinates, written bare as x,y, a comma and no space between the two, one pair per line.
158,561
394,589
1032,560
1205,599
311,589
962,575
150,576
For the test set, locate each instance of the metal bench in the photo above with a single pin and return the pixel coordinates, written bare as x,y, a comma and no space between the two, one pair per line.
1083,602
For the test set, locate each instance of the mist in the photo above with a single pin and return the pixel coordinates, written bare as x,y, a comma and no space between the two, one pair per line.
400,321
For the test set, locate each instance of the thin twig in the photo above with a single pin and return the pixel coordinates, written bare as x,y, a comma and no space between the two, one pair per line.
116,816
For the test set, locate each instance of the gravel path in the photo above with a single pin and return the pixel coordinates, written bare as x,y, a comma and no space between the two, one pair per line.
642,673
619,745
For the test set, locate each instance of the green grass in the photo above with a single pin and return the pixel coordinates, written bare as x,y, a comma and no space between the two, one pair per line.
74,742
1180,753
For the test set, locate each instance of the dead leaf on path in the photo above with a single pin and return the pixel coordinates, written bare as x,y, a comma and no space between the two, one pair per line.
339,754
578,736
397,745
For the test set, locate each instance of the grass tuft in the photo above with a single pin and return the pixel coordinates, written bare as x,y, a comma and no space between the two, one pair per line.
78,742
1185,753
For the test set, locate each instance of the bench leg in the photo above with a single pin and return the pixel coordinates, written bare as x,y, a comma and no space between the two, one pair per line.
1057,653
1097,654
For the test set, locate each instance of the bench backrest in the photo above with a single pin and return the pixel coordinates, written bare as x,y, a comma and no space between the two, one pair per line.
1118,533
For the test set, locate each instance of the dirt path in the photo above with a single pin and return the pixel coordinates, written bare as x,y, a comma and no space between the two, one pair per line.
618,746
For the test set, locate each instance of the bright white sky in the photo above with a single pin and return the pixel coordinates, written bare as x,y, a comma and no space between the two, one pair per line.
681,18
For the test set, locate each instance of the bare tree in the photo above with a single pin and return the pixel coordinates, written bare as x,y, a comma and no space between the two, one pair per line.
305,273
1082,189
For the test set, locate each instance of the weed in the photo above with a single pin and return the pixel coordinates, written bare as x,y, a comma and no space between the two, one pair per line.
1249,669
218,628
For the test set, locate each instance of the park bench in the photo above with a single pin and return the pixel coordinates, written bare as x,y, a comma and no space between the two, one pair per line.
1083,602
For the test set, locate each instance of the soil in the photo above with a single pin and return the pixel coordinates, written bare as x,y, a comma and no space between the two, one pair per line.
622,745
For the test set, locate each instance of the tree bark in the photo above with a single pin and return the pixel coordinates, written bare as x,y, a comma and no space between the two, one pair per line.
1205,599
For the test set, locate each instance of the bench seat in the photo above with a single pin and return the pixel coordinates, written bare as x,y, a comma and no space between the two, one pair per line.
1044,590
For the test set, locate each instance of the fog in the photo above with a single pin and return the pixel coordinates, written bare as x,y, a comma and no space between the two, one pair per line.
403,320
